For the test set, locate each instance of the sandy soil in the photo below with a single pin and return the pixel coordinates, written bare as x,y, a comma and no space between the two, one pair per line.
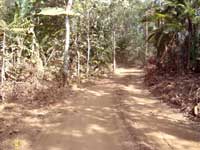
110,114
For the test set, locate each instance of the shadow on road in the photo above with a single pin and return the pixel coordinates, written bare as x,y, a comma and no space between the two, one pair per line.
112,114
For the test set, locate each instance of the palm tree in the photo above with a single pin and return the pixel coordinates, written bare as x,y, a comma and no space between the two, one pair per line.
174,20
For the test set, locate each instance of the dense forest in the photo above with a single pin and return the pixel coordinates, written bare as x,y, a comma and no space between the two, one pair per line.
33,33
54,54
49,40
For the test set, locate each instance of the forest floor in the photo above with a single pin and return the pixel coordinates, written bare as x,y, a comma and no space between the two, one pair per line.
118,113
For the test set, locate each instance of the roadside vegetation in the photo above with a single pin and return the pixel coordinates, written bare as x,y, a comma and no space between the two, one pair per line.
173,71
49,47
66,41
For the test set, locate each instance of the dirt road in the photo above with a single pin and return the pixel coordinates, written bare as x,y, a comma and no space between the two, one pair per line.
115,114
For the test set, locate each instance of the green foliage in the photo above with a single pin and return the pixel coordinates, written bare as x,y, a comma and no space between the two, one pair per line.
55,11
36,29
175,20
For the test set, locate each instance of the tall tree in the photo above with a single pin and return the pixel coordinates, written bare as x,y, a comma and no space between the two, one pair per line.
67,41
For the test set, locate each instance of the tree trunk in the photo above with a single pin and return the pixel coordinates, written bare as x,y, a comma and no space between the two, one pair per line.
89,45
78,64
78,58
190,30
114,52
67,43
3,66
146,36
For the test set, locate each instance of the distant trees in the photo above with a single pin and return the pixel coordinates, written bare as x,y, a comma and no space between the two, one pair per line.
101,34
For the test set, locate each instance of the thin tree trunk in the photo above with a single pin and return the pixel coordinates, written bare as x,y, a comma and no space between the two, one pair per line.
89,45
189,48
66,51
67,43
78,64
78,57
146,35
190,30
114,52
3,67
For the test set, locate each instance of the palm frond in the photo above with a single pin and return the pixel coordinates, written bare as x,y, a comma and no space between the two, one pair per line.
56,11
